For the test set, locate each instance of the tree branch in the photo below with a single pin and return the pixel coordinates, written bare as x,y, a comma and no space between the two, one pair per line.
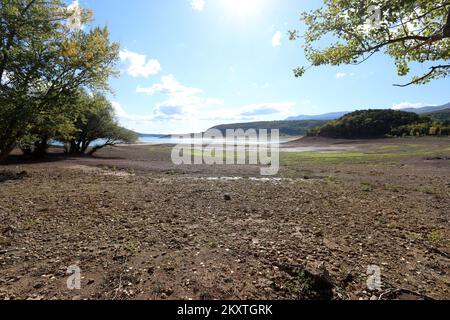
425,77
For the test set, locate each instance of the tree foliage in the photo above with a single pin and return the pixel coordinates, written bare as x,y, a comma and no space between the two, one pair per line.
407,30
43,66
441,115
96,124
366,124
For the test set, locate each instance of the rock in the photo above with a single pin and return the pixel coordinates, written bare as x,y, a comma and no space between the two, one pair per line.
169,292
4,241
38,285
347,279
374,298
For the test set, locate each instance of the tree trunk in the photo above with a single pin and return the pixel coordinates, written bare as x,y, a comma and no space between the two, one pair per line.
95,149
73,147
84,146
446,31
4,153
41,147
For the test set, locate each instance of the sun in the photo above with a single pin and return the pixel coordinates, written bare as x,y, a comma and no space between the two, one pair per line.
243,8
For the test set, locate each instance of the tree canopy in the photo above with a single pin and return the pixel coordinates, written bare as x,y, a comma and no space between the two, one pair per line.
365,124
44,63
410,31
97,125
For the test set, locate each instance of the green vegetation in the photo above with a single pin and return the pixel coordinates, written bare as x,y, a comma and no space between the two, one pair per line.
442,115
380,123
44,65
308,286
365,124
372,154
432,124
437,237
97,123
408,31
290,128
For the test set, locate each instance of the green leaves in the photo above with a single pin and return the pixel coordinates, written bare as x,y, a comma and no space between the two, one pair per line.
409,31
43,66
299,72
96,121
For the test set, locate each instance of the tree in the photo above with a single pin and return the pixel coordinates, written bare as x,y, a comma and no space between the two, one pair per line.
115,134
408,30
96,124
43,64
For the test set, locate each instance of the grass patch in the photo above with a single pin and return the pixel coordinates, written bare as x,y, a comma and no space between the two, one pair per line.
426,189
306,286
437,237
366,187
353,157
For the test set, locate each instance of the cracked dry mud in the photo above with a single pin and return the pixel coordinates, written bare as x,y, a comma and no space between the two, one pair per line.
143,232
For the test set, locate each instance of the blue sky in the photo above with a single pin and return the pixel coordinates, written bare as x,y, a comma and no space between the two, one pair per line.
187,65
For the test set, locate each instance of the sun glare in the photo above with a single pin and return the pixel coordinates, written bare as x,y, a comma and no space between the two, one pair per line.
243,8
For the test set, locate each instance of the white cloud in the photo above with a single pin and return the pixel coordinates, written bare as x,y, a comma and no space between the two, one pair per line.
276,39
341,75
125,116
198,5
120,112
183,109
253,112
187,103
181,101
265,109
170,86
407,105
137,65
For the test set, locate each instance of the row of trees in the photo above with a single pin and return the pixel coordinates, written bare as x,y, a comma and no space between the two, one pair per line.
53,78
423,129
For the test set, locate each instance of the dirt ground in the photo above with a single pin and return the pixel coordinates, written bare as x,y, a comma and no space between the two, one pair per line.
140,227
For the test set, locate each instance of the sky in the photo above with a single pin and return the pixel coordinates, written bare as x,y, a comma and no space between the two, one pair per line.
187,65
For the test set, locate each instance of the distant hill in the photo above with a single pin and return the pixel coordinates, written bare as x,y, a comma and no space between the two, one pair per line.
426,110
366,124
441,115
149,135
324,117
291,128
338,115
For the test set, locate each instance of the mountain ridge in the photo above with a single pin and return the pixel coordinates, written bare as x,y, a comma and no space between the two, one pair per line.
336,115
